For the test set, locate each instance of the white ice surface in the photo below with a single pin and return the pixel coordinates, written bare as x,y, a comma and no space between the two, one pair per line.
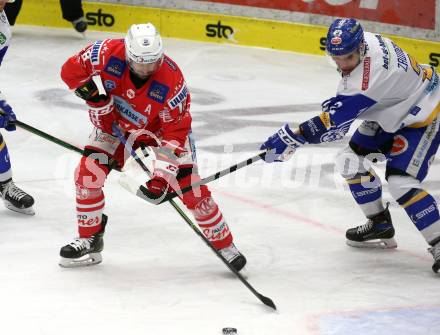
157,276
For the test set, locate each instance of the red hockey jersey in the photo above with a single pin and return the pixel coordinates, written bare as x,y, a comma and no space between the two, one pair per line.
160,106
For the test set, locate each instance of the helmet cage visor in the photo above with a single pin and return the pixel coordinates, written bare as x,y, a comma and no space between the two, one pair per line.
144,69
144,59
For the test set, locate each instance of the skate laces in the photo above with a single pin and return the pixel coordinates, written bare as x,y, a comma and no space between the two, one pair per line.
365,227
230,253
14,192
379,219
81,243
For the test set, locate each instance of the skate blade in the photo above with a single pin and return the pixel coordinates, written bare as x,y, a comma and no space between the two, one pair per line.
384,243
86,260
26,211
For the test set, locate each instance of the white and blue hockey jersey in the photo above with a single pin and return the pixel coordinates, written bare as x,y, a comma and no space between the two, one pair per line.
388,87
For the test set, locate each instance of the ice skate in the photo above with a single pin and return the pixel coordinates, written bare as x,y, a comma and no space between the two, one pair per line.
435,252
84,251
234,257
378,232
80,25
16,199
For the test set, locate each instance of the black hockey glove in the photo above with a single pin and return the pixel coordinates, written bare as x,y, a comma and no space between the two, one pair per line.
89,92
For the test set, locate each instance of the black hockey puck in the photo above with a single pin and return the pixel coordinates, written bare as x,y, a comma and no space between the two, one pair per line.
229,331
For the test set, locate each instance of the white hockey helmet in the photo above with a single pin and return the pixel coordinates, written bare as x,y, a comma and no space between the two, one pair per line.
144,49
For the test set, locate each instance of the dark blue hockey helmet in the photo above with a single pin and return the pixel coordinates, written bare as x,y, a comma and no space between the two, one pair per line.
344,36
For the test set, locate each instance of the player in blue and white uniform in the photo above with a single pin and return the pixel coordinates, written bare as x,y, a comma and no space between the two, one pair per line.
399,101
13,197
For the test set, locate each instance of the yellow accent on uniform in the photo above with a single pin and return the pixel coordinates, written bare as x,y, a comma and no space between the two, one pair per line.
2,145
362,179
325,118
429,120
414,199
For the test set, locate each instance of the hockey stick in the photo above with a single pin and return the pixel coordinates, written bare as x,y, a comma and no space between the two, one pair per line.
265,300
53,139
141,192
141,189
46,136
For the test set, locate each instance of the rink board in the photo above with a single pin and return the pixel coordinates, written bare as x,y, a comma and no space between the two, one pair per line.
209,27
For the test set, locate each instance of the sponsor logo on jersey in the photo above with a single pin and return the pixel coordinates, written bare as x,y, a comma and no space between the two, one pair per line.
179,97
158,91
385,52
366,75
129,114
415,110
130,93
332,135
336,134
109,85
400,145
433,84
115,67
402,61
94,55
415,163
419,155
170,64
105,138
3,38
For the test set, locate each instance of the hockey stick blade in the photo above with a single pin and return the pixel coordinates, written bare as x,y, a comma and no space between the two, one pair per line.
131,185
267,301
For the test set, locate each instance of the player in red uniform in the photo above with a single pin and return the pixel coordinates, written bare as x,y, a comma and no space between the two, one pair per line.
131,82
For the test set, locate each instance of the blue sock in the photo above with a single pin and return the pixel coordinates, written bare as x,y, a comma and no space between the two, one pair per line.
422,209
366,189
